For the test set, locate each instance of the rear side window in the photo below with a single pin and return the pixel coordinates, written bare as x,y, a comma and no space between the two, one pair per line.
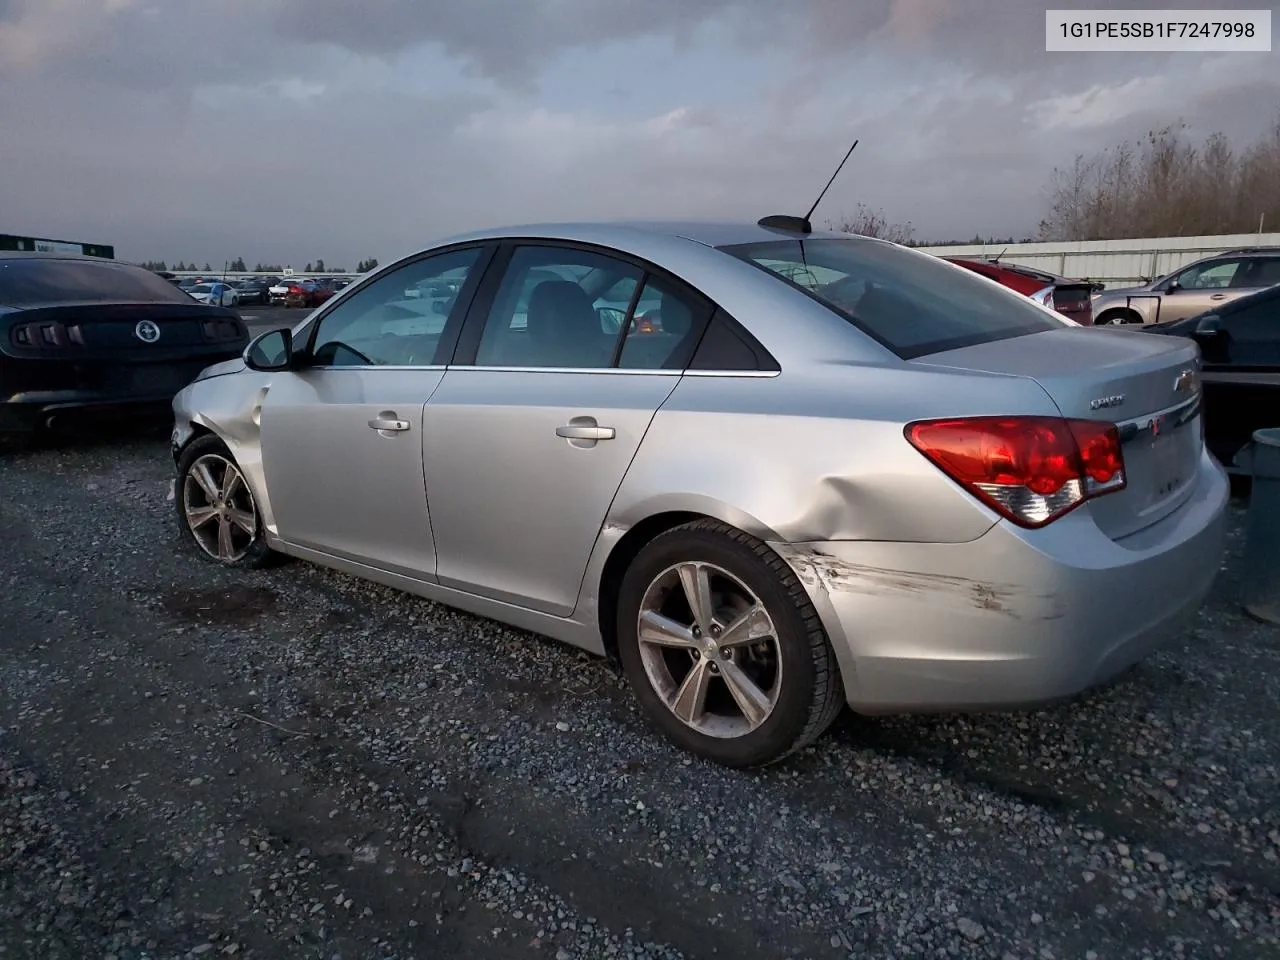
1265,272
25,282
913,303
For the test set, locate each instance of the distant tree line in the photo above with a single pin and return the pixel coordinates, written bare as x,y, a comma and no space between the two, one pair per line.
1160,185
867,222
238,266
1164,185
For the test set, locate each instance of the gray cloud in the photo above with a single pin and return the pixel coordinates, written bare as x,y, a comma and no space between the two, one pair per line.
278,129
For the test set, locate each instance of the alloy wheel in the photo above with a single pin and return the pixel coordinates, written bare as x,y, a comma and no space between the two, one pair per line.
710,649
219,508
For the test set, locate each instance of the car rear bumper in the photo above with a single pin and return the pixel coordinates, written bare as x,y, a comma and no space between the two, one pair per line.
1016,617
55,408
47,393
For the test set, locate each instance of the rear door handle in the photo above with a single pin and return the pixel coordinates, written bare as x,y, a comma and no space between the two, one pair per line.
581,431
385,422
1218,296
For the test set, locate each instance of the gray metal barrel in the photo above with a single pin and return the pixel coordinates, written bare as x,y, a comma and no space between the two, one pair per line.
1262,546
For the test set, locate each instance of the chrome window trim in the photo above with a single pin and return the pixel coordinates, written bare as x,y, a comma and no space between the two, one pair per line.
378,366
612,371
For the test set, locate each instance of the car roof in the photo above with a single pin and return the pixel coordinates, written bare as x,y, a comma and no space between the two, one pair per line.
617,233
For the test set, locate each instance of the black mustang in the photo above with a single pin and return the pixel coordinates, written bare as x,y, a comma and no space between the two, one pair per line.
85,336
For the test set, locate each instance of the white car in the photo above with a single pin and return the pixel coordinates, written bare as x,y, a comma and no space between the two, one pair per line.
217,294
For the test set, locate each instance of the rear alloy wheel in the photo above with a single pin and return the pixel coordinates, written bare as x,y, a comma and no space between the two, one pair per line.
723,648
216,508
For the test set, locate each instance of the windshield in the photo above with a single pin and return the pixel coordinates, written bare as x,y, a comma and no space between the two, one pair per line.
24,282
913,303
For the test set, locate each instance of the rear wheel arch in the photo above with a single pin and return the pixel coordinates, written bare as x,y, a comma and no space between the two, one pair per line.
1118,315
656,518
620,558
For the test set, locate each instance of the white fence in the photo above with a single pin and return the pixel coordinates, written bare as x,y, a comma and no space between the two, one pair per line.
1112,262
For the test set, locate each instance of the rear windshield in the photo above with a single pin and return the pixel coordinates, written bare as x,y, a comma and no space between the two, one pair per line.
911,302
24,282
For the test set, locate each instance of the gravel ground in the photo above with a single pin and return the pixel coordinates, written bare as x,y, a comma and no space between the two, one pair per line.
294,763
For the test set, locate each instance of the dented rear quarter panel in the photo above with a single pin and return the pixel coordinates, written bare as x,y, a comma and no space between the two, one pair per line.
817,456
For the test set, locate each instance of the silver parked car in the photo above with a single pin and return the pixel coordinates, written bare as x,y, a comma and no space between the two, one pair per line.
774,472
1190,290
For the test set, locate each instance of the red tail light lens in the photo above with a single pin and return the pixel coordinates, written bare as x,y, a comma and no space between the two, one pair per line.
1030,470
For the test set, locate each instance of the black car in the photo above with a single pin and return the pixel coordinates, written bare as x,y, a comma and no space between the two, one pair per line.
253,291
1240,345
83,337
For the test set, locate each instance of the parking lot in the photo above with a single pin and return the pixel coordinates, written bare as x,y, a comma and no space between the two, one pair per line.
260,319
196,762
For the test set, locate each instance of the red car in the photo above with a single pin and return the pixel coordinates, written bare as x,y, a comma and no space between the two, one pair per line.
1071,298
301,293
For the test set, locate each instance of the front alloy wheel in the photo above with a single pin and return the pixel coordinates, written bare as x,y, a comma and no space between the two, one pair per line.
219,508
216,508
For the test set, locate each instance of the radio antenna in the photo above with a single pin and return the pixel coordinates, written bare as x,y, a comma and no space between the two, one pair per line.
804,224
830,182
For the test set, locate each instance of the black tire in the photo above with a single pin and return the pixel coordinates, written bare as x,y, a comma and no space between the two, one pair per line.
257,555
811,694
1118,318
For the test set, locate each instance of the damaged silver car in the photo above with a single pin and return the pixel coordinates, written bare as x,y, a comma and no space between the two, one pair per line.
774,471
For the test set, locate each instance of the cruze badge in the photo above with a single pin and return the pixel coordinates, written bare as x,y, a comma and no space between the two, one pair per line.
148,331
1102,403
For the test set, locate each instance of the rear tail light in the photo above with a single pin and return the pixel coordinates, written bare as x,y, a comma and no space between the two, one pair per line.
221,330
1030,470
46,335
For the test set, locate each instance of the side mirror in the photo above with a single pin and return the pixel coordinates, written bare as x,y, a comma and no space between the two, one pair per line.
272,350
1213,338
1209,326
1173,286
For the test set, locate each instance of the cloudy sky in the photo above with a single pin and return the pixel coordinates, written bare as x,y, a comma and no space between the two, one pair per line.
286,130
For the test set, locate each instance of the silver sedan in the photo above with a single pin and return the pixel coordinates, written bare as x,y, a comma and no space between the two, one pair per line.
773,472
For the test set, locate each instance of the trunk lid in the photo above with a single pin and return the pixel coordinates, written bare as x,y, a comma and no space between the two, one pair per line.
1148,386
1074,300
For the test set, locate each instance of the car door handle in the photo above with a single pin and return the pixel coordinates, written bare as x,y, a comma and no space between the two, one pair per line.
1218,296
582,431
388,422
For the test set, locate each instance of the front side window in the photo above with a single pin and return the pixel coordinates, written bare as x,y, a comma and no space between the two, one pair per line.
557,307
913,303
385,325
1209,276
